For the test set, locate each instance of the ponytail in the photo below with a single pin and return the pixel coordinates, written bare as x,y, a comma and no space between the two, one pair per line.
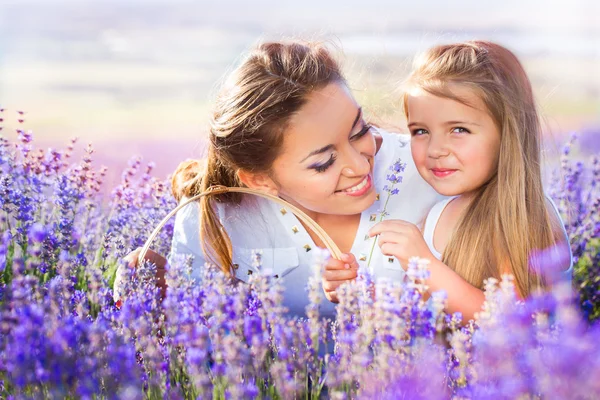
215,242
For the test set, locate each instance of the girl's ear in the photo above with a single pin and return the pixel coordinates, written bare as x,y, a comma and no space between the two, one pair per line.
259,181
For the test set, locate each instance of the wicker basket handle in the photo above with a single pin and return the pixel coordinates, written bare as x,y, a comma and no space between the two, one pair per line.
309,222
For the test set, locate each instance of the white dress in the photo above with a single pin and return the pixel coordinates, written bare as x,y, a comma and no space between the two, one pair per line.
260,224
437,210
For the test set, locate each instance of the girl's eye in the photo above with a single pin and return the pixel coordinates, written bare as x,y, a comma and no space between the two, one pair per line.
418,132
365,129
459,129
323,167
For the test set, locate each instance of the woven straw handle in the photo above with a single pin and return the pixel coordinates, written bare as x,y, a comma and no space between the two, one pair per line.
314,227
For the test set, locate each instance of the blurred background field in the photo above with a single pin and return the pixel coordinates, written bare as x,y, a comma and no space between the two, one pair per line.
137,77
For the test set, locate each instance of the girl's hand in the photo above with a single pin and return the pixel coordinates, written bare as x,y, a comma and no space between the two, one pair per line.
402,240
338,272
132,262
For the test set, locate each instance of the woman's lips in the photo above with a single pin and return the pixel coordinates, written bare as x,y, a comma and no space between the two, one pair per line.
442,172
359,189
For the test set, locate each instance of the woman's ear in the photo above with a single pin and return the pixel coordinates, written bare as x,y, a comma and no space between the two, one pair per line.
259,181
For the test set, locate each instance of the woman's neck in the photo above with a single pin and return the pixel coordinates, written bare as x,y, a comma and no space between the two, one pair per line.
341,228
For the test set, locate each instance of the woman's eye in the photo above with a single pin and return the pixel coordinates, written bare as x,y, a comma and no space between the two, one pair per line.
323,167
459,129
419,132
365,129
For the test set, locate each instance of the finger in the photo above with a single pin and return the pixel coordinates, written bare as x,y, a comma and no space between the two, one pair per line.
395,225
151,257
333,285
390,237
132,258
391,249
334,265
350,261
354,264
346,274
156,259
332,296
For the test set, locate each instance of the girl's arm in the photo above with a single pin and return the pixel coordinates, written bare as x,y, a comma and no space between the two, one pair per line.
404,240
461,295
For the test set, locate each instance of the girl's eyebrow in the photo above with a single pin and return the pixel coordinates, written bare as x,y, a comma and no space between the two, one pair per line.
330,146
446,123
462,122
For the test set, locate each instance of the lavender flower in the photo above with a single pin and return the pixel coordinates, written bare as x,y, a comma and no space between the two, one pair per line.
61,334
393,178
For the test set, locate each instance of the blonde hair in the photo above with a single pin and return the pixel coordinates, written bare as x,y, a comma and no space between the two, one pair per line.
508,217
252,112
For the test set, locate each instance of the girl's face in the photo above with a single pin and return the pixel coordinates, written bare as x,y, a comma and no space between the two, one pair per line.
455,146
326,164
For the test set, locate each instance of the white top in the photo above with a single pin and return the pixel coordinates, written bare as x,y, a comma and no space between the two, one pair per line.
436,212
260,224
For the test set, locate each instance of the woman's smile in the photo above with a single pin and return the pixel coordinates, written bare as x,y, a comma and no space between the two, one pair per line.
360,189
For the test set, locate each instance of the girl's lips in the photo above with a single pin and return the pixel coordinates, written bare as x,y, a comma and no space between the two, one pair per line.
366,186
442,172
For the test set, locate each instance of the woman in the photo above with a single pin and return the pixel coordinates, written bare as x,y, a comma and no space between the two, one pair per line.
286,123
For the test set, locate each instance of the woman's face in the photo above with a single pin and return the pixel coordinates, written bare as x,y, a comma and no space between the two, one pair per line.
326,163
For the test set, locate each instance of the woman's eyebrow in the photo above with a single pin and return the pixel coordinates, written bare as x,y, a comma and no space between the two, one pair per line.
330,146
358,114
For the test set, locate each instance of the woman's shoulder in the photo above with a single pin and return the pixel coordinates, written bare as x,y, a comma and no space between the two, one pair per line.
392,140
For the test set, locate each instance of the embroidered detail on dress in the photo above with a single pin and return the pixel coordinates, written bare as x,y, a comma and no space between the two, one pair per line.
363,257
377,197
373,217
391,260
283,211
249,272
307,247
295,229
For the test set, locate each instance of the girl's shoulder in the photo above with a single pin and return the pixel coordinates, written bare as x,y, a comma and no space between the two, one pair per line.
561,235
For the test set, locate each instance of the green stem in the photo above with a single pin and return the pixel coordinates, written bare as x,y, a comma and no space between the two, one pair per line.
375,238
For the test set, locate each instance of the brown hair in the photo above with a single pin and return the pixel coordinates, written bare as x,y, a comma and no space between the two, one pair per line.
508,217
252,112
187,178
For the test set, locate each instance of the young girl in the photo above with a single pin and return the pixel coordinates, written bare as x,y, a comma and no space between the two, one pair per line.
476,138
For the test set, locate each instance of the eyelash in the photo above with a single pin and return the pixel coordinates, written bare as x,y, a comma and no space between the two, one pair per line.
365,129
464,129
415,132
329,163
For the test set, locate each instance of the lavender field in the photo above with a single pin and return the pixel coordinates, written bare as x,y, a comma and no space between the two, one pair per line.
62,335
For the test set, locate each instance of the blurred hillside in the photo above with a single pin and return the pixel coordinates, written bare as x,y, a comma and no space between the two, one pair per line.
137,76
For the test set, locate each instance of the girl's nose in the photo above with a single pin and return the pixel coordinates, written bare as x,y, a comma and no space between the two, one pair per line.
438,147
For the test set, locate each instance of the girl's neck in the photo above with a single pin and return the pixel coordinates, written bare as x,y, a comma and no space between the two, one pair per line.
463,200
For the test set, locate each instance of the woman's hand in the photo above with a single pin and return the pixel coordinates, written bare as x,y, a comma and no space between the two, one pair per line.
132,262
402,240
338,272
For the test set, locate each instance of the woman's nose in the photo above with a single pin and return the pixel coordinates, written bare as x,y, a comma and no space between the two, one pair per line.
357,164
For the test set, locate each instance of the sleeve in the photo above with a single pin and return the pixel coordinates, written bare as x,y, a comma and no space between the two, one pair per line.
186,239
568,273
